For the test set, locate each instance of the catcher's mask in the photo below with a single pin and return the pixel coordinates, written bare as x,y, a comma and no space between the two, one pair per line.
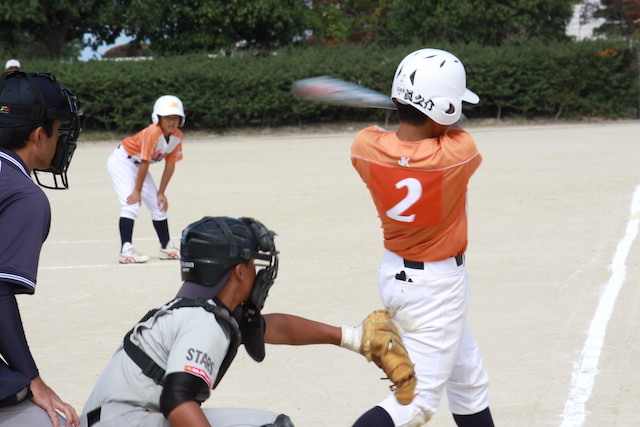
212,246
32,99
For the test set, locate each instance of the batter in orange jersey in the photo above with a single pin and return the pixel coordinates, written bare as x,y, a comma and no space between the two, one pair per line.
417,176
419,189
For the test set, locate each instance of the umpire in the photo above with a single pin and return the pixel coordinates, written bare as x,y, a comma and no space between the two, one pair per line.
39,126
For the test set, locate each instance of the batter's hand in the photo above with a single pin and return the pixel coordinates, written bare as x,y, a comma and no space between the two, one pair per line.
163,203
48,400
134,197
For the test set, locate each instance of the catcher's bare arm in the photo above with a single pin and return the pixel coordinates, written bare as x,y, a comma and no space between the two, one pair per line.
294,330
378,338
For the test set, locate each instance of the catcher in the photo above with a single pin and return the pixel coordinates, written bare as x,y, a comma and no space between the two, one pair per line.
169,362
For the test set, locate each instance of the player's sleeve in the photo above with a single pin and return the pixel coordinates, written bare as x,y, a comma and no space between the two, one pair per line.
199,345
20,367
30,215
176,154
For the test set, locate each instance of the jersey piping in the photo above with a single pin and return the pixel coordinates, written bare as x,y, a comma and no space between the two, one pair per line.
418,169
16,278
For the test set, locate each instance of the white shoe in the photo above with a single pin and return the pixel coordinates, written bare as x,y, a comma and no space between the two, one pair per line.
130,256
170,252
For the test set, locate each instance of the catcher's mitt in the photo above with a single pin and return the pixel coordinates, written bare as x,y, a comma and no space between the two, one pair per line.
382,344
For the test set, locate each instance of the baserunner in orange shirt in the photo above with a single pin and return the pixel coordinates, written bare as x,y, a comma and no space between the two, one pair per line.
418,179
128,167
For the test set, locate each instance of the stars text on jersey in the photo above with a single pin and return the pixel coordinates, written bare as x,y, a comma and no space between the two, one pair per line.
201,358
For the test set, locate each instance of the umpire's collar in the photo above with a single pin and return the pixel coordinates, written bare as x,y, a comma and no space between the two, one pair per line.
14,159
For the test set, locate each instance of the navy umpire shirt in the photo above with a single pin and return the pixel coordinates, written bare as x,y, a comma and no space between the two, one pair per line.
25,218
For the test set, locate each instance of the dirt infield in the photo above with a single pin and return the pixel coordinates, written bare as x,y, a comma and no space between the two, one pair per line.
549,208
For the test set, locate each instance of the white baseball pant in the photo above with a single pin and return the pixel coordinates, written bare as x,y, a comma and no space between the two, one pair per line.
27,413
123,172
117,414
431,307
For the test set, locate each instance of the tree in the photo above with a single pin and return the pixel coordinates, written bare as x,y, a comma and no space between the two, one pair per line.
488,22
210,25
48,27
351,21
622,17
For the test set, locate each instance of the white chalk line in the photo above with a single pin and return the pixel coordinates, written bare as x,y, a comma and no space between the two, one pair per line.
116,264
92,266
75,242
586,369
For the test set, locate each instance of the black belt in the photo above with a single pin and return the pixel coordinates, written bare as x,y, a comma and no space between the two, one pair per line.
135,161
420,265
128,156
93,416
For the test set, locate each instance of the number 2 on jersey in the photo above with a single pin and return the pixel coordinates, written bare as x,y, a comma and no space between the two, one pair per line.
414,191
412,197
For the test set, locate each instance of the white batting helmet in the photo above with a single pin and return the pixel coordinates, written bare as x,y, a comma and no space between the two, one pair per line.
434,82
167,105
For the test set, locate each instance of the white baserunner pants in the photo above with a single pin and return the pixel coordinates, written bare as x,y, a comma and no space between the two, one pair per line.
123,172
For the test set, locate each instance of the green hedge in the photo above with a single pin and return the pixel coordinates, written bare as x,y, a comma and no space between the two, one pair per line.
572,81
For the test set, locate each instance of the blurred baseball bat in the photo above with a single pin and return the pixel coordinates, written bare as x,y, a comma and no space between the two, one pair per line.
332,90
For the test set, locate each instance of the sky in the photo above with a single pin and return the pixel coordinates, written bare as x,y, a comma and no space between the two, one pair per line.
88,53
582,31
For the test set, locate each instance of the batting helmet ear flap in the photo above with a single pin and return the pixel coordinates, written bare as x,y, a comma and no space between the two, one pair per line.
444,110
442,104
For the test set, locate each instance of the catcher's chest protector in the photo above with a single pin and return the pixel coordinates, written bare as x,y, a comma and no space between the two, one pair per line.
223,317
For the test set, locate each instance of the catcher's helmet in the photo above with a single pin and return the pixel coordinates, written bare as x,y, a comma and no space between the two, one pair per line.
167,105
434,82
32,99
212,246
